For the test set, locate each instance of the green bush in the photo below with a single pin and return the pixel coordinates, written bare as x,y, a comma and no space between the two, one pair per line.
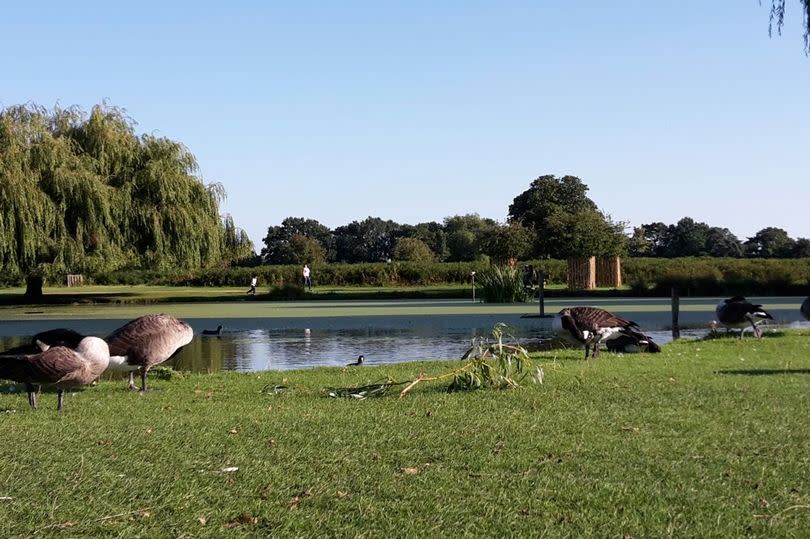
502,285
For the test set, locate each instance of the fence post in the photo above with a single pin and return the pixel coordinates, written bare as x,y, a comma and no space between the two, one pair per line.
676,306
541,292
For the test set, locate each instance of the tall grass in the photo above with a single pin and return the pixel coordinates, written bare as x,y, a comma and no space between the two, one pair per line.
502,285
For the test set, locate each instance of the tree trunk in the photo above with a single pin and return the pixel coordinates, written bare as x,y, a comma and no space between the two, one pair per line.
33,288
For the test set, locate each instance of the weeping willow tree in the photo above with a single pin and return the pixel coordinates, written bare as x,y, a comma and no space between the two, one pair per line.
778,20
84,194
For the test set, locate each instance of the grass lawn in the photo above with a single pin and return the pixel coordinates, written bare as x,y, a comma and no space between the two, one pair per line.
707,439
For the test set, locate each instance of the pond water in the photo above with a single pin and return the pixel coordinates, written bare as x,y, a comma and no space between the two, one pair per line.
257,344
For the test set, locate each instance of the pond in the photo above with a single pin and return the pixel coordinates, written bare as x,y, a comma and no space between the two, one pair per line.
257,344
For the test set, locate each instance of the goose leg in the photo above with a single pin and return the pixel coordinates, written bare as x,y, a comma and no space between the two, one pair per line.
60,399
132,386
143,378
32,395
596,342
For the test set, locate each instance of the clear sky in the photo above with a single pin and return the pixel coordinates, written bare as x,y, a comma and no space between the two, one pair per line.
416,110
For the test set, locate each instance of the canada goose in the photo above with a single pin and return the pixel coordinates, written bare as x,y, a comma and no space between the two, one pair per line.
806,308
145,342
590,326
630,344
359,361
60,366
738,313
216,332
39,343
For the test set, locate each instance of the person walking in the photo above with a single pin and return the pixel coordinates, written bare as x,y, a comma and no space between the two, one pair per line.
307,277
253,282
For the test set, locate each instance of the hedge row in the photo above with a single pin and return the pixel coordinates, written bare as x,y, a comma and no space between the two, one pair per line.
717,276
644,276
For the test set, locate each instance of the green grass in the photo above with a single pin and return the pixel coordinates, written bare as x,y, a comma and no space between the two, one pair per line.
707,439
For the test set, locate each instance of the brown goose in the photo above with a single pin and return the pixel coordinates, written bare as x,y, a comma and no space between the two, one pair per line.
145,342
60,366
39,343
739,313
590,326
806,308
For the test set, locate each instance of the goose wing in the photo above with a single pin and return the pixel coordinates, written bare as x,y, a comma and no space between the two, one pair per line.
149,339
52,366
593,318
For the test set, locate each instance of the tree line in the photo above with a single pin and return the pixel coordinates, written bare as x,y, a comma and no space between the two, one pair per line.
82,193
553,218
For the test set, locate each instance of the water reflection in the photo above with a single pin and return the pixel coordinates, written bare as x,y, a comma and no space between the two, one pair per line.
283,349
252,348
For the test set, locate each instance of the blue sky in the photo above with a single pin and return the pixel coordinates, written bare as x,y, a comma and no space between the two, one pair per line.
419,110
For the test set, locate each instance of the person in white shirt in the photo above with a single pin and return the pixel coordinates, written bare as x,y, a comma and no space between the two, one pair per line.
307,278
253,282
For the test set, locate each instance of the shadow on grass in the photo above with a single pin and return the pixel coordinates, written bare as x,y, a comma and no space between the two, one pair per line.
763,372
735,335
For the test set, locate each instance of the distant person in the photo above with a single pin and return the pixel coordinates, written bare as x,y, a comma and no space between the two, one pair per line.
253,282
527,275
307,277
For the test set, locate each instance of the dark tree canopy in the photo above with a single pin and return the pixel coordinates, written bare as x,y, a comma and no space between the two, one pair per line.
565,222
507,241
278,246
463,233
369,240
770,242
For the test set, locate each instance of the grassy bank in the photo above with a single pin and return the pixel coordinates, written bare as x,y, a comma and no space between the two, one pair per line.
705,439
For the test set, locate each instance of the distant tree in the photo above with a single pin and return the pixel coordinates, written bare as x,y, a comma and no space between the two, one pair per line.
412,250
778,18
549,197
237,247
305,250
721,242
277,248
687,238
432,233
507,241
369,240
587,232
801,249
639,244
463,235
770,242
649,240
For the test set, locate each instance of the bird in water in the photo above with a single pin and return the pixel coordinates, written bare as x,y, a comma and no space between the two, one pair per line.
39,343
59,366
145,342
739,313
805,308
359,362
591,326
217,332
